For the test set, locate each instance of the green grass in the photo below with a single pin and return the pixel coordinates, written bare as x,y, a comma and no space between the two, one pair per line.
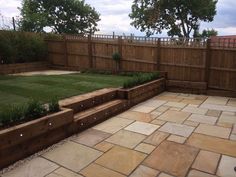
19,89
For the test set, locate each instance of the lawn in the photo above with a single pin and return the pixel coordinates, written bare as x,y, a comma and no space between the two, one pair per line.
19,89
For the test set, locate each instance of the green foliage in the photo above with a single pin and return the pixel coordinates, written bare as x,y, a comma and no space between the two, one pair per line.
35,110
179,17
116,56
208,33
18,47
12,113
53,105
62,16
140,79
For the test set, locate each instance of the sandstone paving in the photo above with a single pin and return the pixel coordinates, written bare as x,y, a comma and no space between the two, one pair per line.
143,171
214,113
227,166
172,158
91,137
121,159
213,144
38,167
203,119
212,130
170,135
72,156
63,172
195,173
156,138
177,139
139,116
177,129
104,146
144,109
174,116
95,170
206,161
145,148
126,138
113,125
142,128
194,110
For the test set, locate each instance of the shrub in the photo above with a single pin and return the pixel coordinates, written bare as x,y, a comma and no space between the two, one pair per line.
11,114
53,105
140,79
35,110
116,56
19,47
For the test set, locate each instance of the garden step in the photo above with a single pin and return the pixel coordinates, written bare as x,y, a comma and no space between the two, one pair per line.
99,113
89,100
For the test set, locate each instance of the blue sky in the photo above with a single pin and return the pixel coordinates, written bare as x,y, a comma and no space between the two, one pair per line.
114,16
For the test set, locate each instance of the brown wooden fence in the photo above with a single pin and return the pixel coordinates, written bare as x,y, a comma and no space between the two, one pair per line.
190,63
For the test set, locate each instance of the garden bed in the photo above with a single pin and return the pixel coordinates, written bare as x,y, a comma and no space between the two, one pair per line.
16,137
142,92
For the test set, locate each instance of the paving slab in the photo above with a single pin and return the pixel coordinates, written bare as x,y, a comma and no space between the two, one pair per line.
162,109
144,109
165,175
214,113
227,166
62,172
91,137
191,123
139,116
169,98
227,120
37,167
121,159
172,158
177,139
126,138
99,171
218,107
218,145
194,110
156,138
206,161
113,125
104,146
174,116
158,122
217,100
143,171
195,173
192,101
177,129
142,128
154,103
145,148
73,156
203,119
175,104
212,130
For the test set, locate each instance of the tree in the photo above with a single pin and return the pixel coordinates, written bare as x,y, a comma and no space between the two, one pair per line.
179,17
208,33
62,16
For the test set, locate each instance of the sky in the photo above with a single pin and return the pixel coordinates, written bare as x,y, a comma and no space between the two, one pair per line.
114,16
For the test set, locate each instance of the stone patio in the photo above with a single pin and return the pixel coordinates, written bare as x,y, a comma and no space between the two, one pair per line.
170,135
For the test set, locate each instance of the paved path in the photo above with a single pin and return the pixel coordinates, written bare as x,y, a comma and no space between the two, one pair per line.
45,73
168,135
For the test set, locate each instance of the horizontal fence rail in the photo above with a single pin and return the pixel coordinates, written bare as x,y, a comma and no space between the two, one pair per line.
209,62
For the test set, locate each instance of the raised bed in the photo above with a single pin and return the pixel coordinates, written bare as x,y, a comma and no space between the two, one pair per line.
23,67
16,142
143,92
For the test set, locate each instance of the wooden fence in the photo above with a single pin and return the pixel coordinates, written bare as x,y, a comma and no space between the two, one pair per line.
192,64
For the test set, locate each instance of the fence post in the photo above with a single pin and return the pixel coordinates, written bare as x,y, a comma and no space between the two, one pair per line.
65,51
207,62
14,23
120,51
158,54
90,51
